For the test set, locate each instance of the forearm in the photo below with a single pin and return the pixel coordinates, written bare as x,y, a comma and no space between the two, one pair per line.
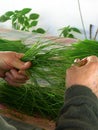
80,111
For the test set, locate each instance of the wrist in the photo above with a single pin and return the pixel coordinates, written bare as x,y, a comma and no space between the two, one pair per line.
93,87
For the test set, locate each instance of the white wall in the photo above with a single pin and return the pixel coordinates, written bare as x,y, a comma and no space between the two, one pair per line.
55,14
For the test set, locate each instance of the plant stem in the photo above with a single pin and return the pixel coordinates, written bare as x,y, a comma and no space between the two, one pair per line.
90,31
96,34
82,20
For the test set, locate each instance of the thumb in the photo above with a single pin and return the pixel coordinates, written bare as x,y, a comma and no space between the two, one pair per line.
18,64
92,58
19,55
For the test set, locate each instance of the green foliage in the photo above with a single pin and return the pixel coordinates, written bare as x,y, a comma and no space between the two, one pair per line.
68,31
39,30
44,92
17,46
48,60
22,20
80,50
33,100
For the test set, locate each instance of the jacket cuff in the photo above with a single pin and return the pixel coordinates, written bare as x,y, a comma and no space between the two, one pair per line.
79,90
79,95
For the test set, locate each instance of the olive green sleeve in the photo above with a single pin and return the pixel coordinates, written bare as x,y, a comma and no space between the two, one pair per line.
80,110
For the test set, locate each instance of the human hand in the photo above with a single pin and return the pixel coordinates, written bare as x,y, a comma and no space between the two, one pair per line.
86,75
12,69
15,77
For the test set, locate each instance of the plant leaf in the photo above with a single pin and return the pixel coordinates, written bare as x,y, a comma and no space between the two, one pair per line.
17,11
75,30
70,35
25,11
14,25
65,31
40,30
34,16
14,18
26,23
34,23
4,18
21,20
23,28
9,13
34,31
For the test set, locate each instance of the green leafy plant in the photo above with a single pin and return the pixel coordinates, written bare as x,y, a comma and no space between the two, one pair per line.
22,20
68,31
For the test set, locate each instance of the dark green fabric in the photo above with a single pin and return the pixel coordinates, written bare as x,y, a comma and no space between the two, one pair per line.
80,110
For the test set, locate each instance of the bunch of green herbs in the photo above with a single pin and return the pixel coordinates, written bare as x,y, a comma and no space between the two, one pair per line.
43,94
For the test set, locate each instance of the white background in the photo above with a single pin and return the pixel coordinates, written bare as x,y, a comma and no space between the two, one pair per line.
55,14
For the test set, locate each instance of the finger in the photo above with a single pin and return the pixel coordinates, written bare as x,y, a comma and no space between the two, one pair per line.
92,59
88,60
81,62
15,76
22,72
19,55
18,64
13,83
85,61
26,73
26,65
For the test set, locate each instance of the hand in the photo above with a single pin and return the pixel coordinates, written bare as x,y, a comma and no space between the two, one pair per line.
86,75
16,78
12,69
